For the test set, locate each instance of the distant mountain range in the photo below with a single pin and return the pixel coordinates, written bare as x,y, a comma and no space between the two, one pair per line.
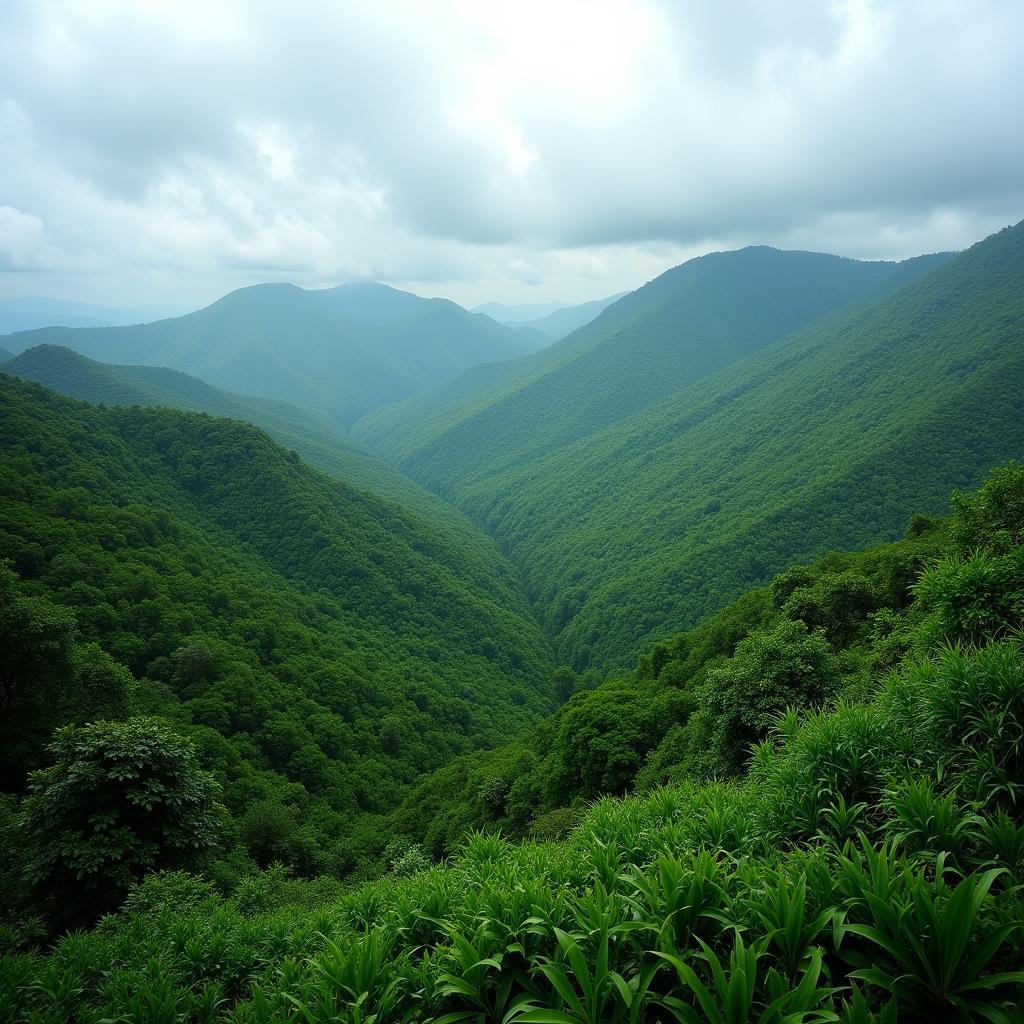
548,320
741,412
521,313
339,352
28,314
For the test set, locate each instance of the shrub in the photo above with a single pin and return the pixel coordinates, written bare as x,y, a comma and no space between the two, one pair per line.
121,799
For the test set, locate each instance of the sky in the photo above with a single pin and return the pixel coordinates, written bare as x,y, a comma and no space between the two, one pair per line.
168,151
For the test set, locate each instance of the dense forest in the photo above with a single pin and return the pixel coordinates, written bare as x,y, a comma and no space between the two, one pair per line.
323,647
831,435
828,829
511,514
319,440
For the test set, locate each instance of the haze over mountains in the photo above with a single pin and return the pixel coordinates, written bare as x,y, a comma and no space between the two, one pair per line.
619,468
548,319
339,352
31,313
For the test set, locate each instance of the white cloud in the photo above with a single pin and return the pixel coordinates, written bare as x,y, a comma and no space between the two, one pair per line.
173,150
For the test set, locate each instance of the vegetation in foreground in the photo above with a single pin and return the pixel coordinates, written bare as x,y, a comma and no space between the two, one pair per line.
865,865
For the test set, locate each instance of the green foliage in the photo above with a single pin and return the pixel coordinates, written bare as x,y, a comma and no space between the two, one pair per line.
633,919
974,596
322,647
47,679
120,799
993,518
678,715
785,667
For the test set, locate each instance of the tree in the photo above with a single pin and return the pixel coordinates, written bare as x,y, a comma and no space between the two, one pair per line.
772,669
565,683
121,799
47,679
993,518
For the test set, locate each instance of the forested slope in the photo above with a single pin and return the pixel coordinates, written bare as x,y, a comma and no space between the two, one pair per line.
687,323
860,862
318,439
328,646
830,437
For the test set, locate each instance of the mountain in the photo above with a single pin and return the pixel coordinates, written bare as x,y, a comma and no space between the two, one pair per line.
523,312
316,438
685,324
551,320
647,512
325,645
5,355
561,322
29,314
337,352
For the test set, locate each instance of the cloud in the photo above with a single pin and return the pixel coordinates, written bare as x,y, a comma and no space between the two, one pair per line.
173,150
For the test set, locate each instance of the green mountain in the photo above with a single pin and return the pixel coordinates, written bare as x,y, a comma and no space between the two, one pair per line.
316,438
326,646
339,352
5,355
829,437
687,323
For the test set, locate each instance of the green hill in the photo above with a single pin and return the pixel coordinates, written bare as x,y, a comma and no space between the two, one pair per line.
339,352
327,646
316,438
829,437
687,323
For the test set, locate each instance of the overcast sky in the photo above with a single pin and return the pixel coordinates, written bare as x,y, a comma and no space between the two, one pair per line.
166,151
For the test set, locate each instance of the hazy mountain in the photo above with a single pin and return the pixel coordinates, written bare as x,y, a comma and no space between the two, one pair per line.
339,352
562,322
523,312
28,314
830,436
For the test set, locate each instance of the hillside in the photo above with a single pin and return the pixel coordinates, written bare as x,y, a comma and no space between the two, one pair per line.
316,438
326,646
338,353
687,323
828,438
863,864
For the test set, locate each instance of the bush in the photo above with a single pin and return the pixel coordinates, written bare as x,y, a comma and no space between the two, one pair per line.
121,799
